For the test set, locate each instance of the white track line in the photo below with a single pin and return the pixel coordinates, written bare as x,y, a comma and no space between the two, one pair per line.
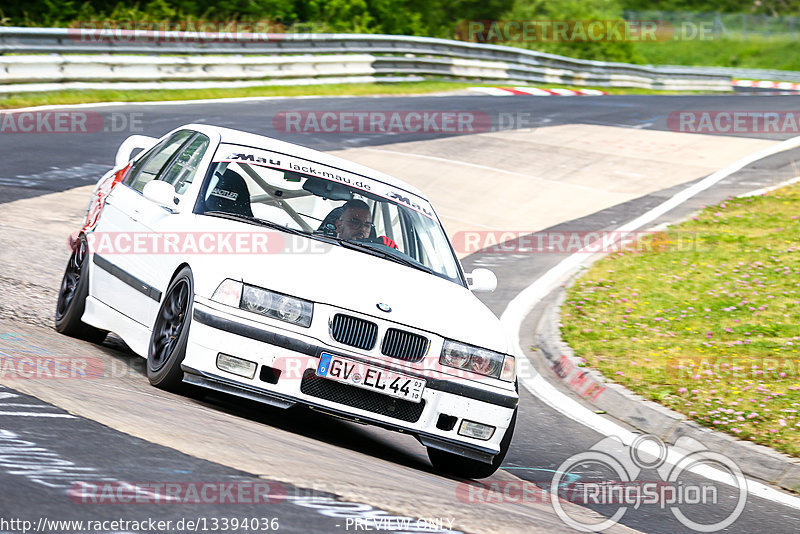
37,414
524,302
492,91
764,190
535,91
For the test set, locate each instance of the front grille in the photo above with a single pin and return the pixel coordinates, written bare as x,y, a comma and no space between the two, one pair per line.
404,345
353,331
362,399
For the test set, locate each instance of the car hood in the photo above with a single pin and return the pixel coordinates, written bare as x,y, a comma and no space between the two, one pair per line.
358,281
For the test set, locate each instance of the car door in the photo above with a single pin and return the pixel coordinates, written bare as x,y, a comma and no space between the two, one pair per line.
157,268
121,237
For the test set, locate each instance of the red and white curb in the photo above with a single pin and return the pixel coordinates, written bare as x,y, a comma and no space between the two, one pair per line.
766,84
534,91
537,91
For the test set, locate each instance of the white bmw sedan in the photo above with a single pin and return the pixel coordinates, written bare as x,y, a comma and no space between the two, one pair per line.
269,271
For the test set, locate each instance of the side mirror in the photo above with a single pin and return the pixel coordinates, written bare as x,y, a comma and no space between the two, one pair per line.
161,193
482,281
134,142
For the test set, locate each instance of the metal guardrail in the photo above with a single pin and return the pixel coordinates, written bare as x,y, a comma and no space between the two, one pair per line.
127,68
391,56
752,74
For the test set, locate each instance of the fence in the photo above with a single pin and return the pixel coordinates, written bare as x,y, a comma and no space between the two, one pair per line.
732,25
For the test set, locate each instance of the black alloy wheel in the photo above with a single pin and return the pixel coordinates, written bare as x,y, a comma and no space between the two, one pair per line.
170,333
72,297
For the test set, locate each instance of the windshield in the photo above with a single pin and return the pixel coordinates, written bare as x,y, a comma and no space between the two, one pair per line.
328,204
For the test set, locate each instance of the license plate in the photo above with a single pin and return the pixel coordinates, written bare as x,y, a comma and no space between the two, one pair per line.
368,377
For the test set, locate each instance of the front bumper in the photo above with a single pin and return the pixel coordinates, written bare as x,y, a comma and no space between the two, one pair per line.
296,357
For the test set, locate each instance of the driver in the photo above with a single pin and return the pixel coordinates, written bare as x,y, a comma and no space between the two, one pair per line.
355,223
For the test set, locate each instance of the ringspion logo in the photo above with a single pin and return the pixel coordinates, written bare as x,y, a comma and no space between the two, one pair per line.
609,472
646,473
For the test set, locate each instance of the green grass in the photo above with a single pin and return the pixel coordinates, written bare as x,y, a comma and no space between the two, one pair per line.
754,52
19,100
704,318
16,100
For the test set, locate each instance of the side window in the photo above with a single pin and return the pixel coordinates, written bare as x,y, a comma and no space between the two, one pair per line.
151,163
181,173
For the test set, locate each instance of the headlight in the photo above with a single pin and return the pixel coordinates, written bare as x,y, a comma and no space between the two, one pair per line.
478,360
264,302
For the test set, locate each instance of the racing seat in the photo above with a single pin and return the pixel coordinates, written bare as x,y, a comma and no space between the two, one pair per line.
328,227
328,224
230,194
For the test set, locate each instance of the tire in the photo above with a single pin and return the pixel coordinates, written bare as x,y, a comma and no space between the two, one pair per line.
171,333
457,466
72,297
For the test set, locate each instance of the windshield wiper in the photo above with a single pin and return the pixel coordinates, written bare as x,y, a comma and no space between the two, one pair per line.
369,249
255,220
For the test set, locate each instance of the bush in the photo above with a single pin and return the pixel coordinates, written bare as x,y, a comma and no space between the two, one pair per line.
573,10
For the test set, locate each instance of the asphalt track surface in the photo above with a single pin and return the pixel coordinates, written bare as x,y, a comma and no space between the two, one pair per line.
39,163
35,164
53,503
